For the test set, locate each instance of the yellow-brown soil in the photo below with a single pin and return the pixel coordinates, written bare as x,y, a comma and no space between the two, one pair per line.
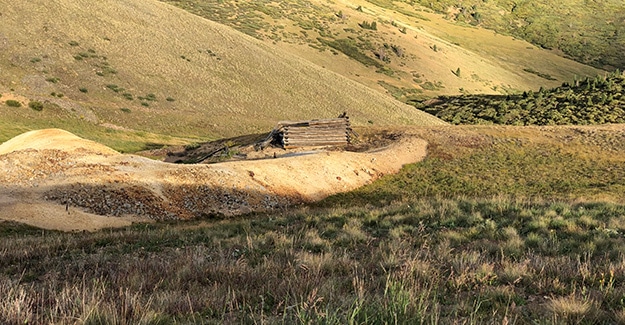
56,180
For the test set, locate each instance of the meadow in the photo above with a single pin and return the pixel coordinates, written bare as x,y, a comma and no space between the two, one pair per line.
497,225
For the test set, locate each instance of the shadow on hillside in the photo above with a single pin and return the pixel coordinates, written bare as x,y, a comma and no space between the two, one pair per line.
152,146
174,202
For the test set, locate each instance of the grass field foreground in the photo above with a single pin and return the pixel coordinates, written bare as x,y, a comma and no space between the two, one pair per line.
434,260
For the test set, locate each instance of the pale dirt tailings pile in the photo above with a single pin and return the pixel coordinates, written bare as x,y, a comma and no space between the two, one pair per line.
56,180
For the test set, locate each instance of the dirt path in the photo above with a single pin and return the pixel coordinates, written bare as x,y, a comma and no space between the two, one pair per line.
55,180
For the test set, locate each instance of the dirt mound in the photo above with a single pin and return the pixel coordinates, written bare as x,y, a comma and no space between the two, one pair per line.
53,179
53,139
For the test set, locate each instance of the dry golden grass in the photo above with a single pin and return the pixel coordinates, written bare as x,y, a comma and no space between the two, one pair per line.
432,47
219,82
620,316
358,265
490,63
571,309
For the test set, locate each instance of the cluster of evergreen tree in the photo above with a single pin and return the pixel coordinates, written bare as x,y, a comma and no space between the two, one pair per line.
597,100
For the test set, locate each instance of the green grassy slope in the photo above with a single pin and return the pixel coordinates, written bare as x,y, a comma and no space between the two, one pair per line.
148,66
411,53
477,161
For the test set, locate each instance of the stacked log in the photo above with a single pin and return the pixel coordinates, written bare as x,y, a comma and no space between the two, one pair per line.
312,133
328,132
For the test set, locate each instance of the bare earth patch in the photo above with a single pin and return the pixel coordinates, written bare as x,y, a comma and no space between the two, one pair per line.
56,180
11,96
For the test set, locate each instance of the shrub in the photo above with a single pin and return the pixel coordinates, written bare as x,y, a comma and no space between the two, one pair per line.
351,48
36,105
148,97
114,88
73,43
125,110
369,25
170,99
53,80
146,104
381,54
83,90
35,60
540,74
398,50
13,103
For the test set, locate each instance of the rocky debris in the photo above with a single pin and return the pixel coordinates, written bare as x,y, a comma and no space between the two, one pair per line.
176,202
28,167
203,200
112,201
611,140
108,189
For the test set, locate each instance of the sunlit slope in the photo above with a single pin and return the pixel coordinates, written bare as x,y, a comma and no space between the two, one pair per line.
146,65
411,52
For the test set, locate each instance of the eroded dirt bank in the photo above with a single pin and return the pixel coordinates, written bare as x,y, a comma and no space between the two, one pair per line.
56,180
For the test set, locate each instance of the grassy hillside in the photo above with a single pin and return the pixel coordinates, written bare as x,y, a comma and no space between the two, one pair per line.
150,67
548,162
404,50
591,32
498,225
589,101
